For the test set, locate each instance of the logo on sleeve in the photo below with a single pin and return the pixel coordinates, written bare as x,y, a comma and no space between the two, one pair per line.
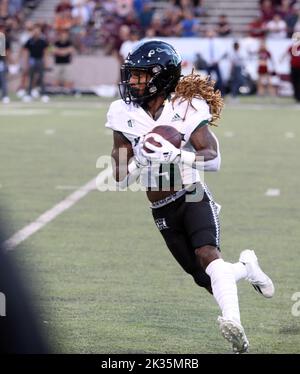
130,123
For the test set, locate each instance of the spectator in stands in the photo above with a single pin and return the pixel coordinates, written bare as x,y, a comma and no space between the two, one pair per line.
199,8
88,38
145,15
237,61
284,8
81,13
223,27
63,5
63,19
267,10
110,34
129,44
257,28
195,6
289,15
189,26
63,52
124,8
297,25
277,28
264,71
157,28
132,21
36,53
5,44
294,54
169,25
3,10
139,6
14,6
184,5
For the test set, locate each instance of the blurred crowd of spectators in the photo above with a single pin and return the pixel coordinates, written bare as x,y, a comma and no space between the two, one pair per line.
101,24
278,19
115,26
14,12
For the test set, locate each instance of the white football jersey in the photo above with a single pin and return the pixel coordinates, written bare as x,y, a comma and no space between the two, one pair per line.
133,122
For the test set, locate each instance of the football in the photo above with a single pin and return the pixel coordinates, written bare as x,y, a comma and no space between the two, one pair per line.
167,132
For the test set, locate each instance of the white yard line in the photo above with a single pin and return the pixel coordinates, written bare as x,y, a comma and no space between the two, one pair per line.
57,105
66,187
289,135
75,113
23,112
50,131
272,192
55,211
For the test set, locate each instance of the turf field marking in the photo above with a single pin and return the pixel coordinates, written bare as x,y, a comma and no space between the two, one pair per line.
50,131
55,211
66,187
289,135
272,192
76,113
229,134
23,112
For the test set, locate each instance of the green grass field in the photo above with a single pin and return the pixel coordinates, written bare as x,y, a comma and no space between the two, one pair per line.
103,279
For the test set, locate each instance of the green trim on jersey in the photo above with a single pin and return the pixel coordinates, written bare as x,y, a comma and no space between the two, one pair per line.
201,124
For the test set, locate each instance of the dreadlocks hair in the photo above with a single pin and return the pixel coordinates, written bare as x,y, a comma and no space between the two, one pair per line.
201,87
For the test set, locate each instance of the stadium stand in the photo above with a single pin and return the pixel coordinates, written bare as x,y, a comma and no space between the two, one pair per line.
98,27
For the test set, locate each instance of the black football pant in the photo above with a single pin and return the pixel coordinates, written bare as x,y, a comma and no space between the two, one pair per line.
186,226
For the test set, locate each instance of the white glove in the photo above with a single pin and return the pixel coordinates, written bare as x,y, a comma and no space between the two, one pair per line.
140,160
165,154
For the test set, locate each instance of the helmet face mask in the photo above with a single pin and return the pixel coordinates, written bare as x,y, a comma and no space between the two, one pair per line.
156,68
138,89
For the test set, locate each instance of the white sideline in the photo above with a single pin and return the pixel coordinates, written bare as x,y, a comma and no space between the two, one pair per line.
55,211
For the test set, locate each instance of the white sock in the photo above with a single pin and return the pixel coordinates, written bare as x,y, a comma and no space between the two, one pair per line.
224,288
239,270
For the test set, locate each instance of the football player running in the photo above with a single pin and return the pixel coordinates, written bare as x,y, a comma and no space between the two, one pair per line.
154,93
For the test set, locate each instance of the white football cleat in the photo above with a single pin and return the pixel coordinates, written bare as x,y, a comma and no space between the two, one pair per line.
235,334
259,280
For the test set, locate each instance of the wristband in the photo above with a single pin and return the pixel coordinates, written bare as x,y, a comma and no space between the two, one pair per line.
132,167
187,158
